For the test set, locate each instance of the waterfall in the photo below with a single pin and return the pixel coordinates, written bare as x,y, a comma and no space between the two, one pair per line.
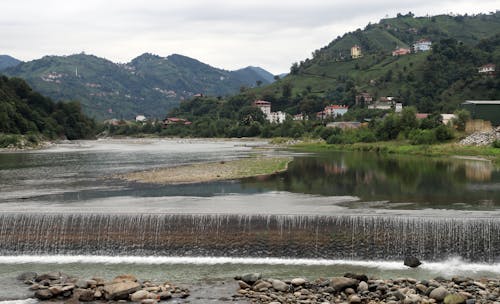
294,236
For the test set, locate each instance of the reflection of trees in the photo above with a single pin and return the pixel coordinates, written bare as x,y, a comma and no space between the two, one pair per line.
384,177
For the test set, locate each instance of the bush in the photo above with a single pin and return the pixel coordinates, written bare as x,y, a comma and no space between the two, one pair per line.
335,139
443,133
422,137
9,140
496,144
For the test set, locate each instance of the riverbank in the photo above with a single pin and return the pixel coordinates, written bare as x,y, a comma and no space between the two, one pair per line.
209,172
448,149
358,288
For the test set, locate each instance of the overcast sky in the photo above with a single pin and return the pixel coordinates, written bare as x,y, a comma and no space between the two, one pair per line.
229,34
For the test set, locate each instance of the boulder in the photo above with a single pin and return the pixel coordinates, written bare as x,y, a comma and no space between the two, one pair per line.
438,294
56,289
82,284
125,278
251,278
354,299
261,285
139,295
83,295
359,277
298,281
362,286
412,262
341,283
121,290
165,295
454,299
43,294
27,276
243,285
280,285
149,301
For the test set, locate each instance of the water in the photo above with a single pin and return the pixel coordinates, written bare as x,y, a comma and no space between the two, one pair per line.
62,209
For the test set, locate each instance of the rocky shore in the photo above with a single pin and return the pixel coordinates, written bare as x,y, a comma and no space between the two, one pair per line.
482,138
358,288
58,286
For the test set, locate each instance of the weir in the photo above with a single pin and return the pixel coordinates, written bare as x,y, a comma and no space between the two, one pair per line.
357,237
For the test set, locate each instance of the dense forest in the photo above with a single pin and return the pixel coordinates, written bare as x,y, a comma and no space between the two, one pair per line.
26,112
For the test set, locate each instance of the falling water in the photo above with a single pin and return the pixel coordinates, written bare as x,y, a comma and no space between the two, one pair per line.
293,236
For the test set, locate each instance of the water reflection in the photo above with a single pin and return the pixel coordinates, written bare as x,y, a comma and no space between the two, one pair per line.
404,181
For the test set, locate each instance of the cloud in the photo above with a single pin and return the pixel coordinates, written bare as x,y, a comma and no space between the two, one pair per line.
224,33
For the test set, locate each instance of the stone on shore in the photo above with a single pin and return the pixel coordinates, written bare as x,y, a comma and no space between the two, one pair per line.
298,281
27,276
121,290
454,299
439,293
43,294
341,283
280,285
125,278
139,295
251,278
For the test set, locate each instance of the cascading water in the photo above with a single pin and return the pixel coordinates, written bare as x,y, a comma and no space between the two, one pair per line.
293,236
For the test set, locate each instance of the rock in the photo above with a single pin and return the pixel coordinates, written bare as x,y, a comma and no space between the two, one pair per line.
454,299
56,290
27,276
298,281
48,276
139,295
97,294
280,285
120,291
43,294
341,283
438,294
165,295
251,278
262,285
359,277
470,301
125,278
82,284
412,262
68,287
354,299
99,281
244,285
84,295
363,286
421,288
480,285
149,301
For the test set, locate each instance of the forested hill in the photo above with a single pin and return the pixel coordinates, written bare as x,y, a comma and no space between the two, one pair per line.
148,85
436,80
7,61
23,111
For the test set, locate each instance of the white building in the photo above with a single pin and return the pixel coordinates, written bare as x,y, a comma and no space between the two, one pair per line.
140,118
264,106
277,117
422,45
335,110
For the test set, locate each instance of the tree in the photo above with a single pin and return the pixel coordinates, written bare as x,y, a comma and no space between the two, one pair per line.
461,118
294,69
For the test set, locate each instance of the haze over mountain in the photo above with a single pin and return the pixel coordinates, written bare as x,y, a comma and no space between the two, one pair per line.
149,84
7,61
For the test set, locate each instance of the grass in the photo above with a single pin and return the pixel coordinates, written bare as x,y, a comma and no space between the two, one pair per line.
207,172
398,147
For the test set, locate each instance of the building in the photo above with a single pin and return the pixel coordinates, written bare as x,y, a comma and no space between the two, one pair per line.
401,52
356,51
140,118
364,97
422,45
447,118
299,117
483,109
264,106
175,121
398,107
488,69
277,117
335,110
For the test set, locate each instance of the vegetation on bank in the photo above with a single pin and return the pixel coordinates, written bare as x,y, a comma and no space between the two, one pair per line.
27,117
207,172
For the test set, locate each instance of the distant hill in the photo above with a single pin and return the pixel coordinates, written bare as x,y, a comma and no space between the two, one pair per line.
149,84
434,80
7,61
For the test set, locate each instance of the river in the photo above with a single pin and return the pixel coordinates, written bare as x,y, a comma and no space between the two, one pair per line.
62,209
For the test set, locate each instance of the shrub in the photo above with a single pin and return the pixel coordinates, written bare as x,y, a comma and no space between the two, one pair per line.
443,133
496,144
422,137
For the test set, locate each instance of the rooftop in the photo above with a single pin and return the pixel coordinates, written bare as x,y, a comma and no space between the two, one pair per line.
494,102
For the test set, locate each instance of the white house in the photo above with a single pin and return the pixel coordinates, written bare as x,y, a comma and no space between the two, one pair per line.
277,117
422,45
335,110
264,106
140,118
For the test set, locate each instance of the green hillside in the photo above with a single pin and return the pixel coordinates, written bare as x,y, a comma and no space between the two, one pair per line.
460,45
23,111
7,61
149,84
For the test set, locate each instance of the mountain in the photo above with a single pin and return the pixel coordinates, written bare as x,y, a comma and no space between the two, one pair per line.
436,80
24,111
7,61
148,85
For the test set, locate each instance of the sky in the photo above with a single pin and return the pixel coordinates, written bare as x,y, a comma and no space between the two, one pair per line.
228,34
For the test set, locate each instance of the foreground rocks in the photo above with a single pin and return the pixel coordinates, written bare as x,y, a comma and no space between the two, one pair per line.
60,286
354,288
